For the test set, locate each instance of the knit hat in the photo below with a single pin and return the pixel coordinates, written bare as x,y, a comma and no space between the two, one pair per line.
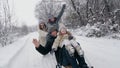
62,26
52,29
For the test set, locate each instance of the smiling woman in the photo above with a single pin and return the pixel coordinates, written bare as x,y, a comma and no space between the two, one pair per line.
24,10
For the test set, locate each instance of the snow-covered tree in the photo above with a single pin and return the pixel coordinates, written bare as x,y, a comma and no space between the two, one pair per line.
47,7
5,20
8,22
101,15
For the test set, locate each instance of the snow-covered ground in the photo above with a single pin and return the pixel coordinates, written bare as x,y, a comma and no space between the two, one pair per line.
101,53
22,54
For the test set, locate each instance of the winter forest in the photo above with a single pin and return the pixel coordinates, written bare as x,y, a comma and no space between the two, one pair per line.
9,30
95,18
94,23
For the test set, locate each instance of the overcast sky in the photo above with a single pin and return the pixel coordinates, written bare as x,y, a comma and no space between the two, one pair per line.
24,10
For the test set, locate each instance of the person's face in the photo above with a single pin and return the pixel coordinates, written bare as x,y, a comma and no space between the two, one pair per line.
54,33
52,19
42,25
63,31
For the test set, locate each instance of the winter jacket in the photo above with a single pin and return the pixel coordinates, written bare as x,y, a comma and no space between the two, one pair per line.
42,37
58,41
63,40
56,24
48,46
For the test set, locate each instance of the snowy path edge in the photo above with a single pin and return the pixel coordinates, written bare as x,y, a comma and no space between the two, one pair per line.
6,63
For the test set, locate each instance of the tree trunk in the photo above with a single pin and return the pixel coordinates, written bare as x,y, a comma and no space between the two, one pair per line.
80,17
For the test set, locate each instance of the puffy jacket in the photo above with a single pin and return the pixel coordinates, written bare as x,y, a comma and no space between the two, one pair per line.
58,41
42,37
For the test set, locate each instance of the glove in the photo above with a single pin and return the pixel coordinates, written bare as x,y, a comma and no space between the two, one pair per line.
70,37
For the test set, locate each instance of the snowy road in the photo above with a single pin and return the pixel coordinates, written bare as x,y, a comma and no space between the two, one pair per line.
28,57
102,53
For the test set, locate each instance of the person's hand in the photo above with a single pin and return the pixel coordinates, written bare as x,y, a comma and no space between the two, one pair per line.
64,5
36,43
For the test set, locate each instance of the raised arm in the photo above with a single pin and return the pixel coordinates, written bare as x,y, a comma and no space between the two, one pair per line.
61,13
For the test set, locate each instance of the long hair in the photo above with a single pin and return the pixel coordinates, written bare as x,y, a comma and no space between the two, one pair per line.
44,28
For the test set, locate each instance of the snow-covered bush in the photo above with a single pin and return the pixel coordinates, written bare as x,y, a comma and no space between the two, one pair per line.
115,37
99,30
93,31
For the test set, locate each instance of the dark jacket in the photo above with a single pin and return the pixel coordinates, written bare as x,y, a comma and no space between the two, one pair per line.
55,23
67,59
48,46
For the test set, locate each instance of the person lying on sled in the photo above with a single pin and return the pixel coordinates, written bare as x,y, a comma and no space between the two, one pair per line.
65,38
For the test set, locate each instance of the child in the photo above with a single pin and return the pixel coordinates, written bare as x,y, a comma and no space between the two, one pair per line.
65,38
42,33
54,21
63,41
